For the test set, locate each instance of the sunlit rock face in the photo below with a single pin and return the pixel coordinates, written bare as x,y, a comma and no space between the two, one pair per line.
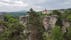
66,25
49,22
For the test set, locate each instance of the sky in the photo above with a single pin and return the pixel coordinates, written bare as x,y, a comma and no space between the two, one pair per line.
18,5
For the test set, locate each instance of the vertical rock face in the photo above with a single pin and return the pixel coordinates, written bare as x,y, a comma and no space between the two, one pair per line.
66,24
53,19
49,22
46,22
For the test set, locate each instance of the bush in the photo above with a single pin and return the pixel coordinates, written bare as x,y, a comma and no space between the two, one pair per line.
57,33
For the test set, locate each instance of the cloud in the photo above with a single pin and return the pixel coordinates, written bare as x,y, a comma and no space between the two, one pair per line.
13,3
10,5
56,4
39,1
16,5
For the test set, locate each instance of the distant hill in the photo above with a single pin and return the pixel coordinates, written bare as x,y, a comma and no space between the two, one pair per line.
23,13
20,13
1,13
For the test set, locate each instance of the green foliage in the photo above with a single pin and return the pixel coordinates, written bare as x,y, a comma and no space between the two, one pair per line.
56,12
45,36
10,18
12,29
69,34
57,33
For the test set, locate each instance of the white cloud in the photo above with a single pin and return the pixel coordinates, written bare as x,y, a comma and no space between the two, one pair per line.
37,8
39,1
7,5
18,3
14,5
1,3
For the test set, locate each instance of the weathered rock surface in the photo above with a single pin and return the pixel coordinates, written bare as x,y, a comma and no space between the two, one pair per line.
66,25
49,22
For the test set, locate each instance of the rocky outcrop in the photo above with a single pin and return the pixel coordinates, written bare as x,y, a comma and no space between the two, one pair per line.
49,22
23,20
66,25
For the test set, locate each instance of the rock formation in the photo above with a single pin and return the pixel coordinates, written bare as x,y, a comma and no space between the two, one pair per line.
49,22
66,25
23,20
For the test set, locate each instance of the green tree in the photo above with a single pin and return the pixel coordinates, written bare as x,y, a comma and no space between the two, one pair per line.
10,18
11,31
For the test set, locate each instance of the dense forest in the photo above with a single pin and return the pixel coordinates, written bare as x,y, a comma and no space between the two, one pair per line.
11,29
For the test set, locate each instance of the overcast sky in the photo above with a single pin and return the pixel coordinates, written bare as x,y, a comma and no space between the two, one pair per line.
17,5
